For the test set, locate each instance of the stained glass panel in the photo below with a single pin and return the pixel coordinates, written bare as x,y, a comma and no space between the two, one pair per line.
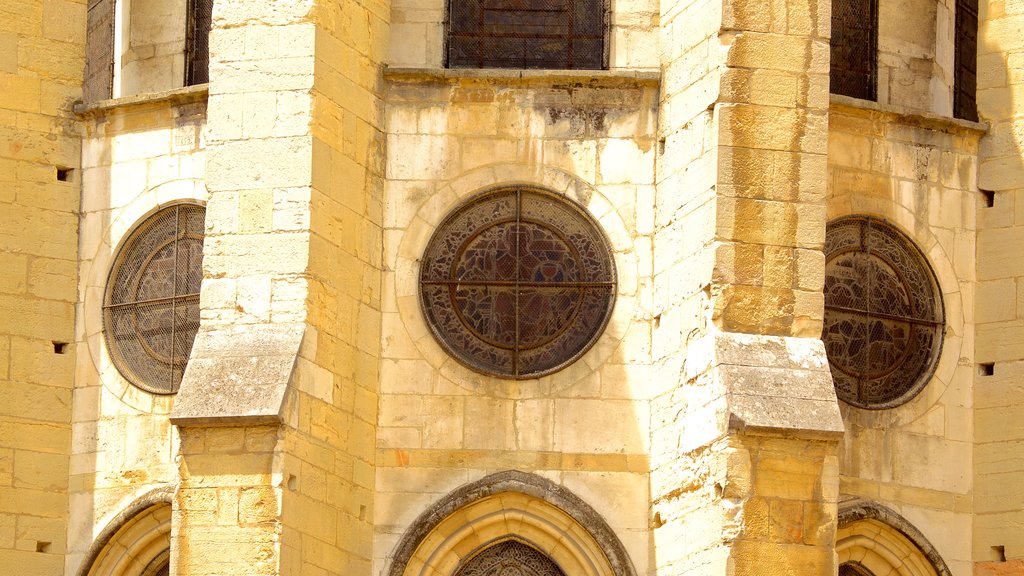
517,283
883,313
151,315
509,558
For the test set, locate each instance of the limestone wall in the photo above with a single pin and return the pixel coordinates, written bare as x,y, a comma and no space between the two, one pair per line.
915,61
332,412
738,267
998,394
150,51
685,413
320,417
41,64
918,174
449,137
138,155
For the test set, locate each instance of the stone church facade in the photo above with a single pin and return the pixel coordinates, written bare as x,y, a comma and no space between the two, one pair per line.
581,287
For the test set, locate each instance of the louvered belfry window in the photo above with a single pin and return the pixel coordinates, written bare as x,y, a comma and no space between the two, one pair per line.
965,80
517,283
197,45
883,313
553,34
854,50
151,312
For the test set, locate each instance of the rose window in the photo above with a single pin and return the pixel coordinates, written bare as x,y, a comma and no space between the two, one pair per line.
517,283
883,313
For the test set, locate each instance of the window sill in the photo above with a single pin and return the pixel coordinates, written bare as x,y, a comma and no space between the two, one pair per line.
610,78
902,115
186,95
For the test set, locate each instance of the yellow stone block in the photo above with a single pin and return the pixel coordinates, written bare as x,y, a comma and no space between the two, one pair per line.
21,93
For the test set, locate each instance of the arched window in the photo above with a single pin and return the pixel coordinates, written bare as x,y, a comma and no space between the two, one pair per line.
555,34
137,542
510,523
854,48
874,540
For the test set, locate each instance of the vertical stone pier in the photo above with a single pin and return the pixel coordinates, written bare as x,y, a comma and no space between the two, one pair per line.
744,469
277,410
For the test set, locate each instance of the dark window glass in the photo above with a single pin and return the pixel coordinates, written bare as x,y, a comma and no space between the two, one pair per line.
883,313
509,558
518,283
556,34
197,45
965,81
151,314
854,569
99,51
854,48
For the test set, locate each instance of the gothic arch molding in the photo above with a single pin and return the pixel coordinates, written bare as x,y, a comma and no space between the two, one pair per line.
504,506
133,541
878,539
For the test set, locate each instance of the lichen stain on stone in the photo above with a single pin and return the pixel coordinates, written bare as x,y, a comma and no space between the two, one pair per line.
592,119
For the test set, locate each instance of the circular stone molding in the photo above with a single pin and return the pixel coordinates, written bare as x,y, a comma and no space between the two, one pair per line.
103,234
884,316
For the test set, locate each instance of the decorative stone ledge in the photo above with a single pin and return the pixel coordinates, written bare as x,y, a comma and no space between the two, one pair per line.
238,375
590,78
186,95
902,115
772,384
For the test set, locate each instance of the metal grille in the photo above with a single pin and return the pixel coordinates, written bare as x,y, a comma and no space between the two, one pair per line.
883,313
518,283
965,80
555,34
151,314
197,49
510,558
99,51
854,569
854,48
